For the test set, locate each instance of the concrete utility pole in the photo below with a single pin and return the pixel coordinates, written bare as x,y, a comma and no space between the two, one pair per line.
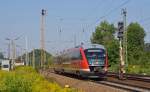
12,50
12,54
33,59
27,57
124,12
9,48
21,53
75,40
9,51
43,56
60,29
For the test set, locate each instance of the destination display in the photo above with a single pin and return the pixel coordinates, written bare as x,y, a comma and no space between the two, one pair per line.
96,50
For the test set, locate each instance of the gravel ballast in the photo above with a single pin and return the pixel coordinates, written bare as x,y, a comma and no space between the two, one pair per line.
83,85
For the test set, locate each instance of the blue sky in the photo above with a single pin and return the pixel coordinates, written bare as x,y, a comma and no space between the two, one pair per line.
22,18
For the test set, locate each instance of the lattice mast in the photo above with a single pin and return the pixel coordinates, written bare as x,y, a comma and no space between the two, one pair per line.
43,56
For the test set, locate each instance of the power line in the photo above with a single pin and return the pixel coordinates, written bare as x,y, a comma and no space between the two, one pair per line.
101,2
111,11
145,19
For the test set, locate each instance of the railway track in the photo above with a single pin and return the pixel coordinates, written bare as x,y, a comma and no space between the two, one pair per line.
141,83
133,85
137,77
124,86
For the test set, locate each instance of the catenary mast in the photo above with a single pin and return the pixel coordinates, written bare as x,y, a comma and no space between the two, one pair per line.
42,40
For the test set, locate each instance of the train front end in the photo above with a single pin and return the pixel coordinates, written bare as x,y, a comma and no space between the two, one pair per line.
97,60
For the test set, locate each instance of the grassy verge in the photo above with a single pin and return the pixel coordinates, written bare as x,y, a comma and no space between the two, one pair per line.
26,79
139,69
134,69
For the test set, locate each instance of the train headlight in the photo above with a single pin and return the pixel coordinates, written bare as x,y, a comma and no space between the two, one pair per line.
105,69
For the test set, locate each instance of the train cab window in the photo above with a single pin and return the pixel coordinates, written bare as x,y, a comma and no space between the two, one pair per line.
95,56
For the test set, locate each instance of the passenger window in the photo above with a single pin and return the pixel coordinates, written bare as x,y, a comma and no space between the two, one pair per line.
76,55
5,66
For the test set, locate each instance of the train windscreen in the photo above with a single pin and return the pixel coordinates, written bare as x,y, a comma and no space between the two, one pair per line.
95,57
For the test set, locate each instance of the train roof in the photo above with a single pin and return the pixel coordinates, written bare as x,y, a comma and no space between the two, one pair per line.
87,46
84,46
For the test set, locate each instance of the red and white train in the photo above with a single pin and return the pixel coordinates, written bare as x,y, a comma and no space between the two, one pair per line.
85,60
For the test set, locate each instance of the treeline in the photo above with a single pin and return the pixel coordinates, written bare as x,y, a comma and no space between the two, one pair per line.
138,59
35,60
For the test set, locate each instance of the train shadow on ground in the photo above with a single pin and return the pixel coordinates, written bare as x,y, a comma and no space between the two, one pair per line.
81,78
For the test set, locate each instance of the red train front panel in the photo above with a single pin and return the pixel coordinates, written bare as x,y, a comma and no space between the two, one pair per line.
94,62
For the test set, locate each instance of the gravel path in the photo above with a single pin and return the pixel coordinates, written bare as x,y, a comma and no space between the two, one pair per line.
84,86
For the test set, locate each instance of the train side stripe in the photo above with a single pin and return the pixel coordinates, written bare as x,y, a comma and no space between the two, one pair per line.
84,64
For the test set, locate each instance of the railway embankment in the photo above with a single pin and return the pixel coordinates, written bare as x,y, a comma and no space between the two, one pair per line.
82,85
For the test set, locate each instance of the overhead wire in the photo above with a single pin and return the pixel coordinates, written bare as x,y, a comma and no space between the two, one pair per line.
100,3
111,11
145,19
90,13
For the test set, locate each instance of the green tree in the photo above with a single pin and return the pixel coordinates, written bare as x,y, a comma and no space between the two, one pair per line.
135,49
104,34
37,53
38,57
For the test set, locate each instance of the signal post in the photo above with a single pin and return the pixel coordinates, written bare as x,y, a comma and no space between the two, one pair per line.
122,62
122,44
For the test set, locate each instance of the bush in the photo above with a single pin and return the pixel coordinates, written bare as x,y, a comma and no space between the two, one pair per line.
134,69
114,68
139,69
26,79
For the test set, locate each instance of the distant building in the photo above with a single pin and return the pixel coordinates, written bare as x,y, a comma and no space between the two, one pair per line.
147,47
5,65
